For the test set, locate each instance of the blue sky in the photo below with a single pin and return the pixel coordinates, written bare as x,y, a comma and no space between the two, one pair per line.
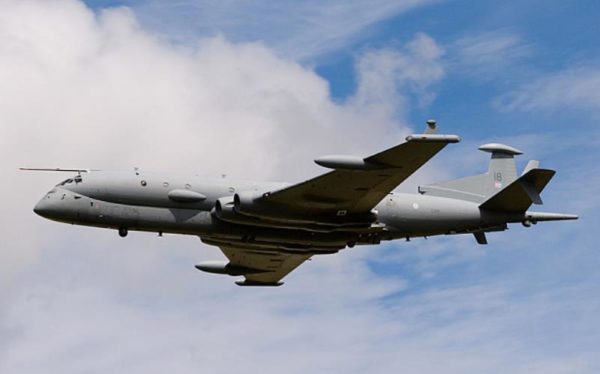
266,86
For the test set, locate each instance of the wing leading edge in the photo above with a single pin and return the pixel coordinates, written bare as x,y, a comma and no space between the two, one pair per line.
356,186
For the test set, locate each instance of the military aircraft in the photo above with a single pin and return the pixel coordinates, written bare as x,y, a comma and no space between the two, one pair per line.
266,230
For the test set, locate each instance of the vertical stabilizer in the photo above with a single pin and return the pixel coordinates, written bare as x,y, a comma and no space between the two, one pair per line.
532,164
502,169
478,188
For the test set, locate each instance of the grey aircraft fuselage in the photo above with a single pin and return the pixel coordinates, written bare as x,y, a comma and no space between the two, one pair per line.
140,201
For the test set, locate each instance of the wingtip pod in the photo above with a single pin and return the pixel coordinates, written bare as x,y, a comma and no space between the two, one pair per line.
431,135
435,138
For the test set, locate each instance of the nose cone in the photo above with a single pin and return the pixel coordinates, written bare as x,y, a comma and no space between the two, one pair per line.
57,205
43,208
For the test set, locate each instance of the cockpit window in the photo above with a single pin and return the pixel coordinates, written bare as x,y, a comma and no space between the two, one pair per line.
66,181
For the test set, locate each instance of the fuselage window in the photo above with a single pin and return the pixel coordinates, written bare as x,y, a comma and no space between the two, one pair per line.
144,183
188,186
165,184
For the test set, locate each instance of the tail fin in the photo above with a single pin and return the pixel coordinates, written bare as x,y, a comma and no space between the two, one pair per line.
518,196
479,188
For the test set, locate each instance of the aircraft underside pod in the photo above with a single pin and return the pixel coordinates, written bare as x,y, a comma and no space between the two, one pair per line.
220,267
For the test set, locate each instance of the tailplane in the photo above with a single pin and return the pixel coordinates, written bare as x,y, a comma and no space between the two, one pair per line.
518,196
500,191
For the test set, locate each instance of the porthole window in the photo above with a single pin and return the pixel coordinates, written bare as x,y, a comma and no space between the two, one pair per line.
165,184
143,183
188,186
231,189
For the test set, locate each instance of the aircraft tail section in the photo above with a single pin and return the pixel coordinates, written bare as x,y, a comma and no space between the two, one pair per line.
518,196
501,172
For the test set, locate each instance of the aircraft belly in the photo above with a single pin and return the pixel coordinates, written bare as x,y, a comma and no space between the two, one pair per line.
106,214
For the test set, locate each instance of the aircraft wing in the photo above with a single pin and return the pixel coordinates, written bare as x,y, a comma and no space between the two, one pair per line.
356,185
262,267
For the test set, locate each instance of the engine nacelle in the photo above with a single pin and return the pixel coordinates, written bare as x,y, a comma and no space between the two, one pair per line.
244,202
224,205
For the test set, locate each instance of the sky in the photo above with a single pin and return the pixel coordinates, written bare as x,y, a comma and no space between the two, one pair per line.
257,90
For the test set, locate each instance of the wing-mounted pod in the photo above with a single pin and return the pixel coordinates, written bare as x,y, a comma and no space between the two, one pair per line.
347,162
221,267
386,159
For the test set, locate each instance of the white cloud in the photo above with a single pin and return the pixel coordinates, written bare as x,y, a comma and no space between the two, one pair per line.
575,87
385,76
488,54
299,30
85,90
332,318
100,91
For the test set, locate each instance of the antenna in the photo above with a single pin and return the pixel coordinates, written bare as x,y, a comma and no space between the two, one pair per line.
431,127
78,171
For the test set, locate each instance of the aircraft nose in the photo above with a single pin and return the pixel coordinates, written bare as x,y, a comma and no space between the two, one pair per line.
42,208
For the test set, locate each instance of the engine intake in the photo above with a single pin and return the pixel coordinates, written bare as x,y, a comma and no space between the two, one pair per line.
245,202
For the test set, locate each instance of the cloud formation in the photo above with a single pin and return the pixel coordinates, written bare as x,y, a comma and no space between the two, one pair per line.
485,55
298,30
98,90
574,87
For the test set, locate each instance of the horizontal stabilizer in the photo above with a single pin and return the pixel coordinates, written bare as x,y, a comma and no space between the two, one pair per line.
521,193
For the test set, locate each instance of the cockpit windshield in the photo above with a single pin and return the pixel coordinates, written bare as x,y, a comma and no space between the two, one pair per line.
76,179
66,181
